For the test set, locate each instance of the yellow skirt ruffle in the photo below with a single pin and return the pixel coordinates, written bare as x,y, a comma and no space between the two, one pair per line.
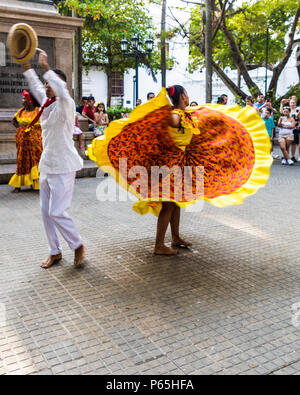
138,123
27,180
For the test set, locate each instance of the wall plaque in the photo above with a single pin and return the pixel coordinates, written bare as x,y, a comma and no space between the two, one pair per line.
12,81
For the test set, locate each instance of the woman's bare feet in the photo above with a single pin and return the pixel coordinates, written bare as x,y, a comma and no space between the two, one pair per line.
51,260
164,250
180,243
16,190
79,255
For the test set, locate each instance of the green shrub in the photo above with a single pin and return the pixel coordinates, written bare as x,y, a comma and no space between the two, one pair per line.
116,112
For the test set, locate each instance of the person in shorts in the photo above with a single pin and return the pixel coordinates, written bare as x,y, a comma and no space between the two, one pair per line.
286,126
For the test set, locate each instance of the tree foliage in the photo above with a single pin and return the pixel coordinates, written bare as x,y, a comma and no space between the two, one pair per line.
107,22
239,39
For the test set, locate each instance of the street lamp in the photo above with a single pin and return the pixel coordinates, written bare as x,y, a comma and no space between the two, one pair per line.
267,59
137,52
124,45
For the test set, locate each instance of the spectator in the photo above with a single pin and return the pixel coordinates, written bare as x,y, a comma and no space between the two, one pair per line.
260,101
78,132
286,124
193,104
83,103
221,100
138,102
270,126
295,114
101,119
267,105
225,97
89,113
250,103
150,96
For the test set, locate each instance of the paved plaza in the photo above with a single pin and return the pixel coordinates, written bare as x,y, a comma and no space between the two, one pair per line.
224,307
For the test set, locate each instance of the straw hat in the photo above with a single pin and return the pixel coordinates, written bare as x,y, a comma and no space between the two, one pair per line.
22,42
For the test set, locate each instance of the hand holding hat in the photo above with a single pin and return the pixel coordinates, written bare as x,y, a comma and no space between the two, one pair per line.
22,42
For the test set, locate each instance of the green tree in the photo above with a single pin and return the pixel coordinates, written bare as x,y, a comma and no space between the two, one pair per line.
239,39
107,22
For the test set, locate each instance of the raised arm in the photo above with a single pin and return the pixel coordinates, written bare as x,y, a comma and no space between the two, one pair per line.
35,85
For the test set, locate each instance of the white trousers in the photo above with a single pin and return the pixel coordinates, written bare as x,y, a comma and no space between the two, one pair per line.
56,192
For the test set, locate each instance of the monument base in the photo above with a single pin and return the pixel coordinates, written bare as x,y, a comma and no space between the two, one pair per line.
55,34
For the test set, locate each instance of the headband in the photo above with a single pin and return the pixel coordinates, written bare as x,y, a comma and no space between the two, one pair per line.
172,91
27,96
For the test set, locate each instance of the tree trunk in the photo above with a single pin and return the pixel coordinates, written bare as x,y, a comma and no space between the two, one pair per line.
239,78
228,82
298,61
238,60
288,52
163,44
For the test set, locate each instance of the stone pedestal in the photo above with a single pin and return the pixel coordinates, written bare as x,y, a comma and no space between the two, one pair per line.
55,34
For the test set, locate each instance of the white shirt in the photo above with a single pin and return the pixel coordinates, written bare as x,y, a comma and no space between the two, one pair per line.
59,153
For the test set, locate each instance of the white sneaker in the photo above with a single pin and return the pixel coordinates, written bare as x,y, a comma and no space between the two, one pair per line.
298,159
284,162
275,156
290,162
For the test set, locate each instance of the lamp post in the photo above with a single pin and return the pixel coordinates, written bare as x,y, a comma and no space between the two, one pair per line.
137,52
267,60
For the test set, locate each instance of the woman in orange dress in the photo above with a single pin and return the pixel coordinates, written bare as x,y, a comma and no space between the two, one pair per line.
216,153
29,144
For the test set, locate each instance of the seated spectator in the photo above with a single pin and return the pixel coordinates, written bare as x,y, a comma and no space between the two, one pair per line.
194,104
78,132
101,119
83,103
138,102
89,113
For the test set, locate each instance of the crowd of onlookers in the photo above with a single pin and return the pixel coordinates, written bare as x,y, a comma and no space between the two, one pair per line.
288,126
286,130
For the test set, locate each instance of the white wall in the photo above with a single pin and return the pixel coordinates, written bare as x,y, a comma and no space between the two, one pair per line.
95,83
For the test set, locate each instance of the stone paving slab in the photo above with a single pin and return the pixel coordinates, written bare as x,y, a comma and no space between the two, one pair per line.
223,307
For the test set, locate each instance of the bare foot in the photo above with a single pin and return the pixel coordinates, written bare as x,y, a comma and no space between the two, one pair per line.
164,250
79,255
51,260
16,190
180,243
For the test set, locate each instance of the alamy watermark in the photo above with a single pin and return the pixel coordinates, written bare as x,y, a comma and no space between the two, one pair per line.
180,184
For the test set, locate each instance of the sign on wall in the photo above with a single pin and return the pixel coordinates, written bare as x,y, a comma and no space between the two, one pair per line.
12,81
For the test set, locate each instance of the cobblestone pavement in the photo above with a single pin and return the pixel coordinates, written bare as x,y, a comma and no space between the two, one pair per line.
225,307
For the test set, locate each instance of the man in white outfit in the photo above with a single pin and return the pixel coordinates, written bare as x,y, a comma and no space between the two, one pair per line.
59,161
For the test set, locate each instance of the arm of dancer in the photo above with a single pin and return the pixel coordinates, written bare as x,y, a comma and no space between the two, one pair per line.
175,120
35,85
57,84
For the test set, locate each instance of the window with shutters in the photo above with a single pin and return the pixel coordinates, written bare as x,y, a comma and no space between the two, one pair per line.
117,85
